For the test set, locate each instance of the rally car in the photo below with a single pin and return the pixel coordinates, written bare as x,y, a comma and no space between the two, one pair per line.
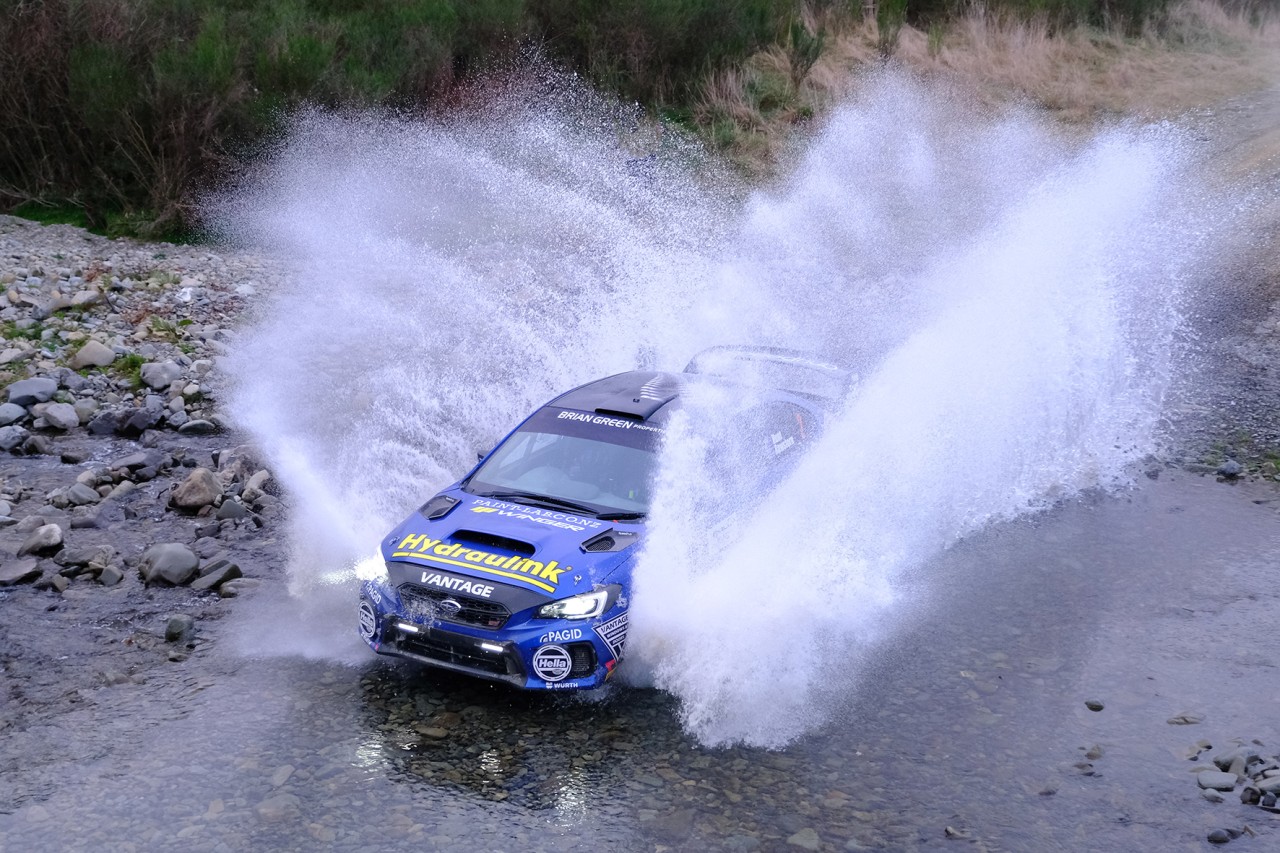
521,571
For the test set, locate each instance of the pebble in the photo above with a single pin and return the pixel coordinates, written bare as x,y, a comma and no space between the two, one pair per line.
1093,705
179,628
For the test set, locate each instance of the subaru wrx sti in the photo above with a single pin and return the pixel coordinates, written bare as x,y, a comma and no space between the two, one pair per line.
521,571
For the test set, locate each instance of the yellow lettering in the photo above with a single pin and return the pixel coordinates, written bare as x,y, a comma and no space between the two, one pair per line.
447,550
412,541
528,567
551,573
494,560
511,562
475,556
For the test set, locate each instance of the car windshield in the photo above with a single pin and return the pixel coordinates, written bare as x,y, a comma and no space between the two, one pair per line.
576,460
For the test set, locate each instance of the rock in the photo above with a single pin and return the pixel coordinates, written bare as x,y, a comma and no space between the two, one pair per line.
12,437
281,775
73,456
159,375
237,587
134,423
281,807
1219,836
110,576
200,489
171,563
1185,719
232,509
19,571
216,573
1212,795
35,445
237,464
92,354
30,523
1093,705
1268,786
44,540
80,494
1217,780
85,409
1230,469
61,416
11,413
805,839
1223,760
179,628
86,299
104,424
198,427
28,392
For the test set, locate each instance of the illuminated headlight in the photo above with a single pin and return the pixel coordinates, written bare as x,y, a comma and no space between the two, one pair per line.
582,606
372,569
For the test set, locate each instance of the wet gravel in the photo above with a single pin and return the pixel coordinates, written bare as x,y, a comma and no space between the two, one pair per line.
970,726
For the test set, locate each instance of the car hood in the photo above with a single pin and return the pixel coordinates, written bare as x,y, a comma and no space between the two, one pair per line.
531,549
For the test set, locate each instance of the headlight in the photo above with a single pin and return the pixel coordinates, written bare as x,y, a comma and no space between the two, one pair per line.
582,606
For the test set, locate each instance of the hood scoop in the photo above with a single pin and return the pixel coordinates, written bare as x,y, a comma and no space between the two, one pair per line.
492,540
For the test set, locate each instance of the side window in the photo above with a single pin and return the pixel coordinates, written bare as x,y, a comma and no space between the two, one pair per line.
786,426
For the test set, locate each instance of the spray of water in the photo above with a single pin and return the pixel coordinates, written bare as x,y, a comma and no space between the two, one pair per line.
1007,296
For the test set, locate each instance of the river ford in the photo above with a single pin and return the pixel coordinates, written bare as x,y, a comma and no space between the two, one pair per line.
970,726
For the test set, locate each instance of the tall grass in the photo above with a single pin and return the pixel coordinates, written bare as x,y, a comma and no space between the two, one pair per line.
127,109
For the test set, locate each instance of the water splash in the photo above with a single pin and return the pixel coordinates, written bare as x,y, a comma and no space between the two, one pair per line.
1008,295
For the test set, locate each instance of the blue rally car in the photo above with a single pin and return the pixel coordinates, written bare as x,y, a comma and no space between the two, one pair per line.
520,572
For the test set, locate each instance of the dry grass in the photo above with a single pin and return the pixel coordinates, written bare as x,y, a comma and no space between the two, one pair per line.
1199,55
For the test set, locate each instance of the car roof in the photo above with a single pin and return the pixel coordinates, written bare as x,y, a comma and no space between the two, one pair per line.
640,394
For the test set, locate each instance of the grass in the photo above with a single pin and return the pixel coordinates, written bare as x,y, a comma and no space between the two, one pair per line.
9,330
1195,54
129,367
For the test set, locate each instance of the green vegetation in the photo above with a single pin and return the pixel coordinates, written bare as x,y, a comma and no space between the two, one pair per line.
118,113
128,367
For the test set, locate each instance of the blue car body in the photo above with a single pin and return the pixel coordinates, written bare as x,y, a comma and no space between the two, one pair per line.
521,571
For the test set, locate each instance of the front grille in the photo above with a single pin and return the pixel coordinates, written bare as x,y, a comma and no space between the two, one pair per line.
459,653
584,659
423,605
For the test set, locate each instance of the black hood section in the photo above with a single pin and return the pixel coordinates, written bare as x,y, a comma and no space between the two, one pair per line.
514,598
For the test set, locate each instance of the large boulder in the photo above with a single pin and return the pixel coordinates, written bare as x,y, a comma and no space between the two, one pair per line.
159,375
200,489
11,413
171,563
92,354
28,392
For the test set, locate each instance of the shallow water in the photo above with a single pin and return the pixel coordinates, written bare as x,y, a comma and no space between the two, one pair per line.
1157,602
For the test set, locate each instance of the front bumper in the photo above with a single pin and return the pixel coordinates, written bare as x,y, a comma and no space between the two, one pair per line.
542,654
